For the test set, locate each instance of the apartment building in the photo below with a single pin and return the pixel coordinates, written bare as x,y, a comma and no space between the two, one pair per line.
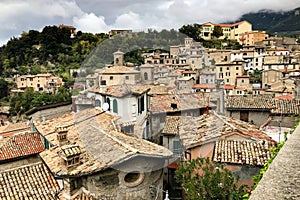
228,72
252,37
230,31
40,82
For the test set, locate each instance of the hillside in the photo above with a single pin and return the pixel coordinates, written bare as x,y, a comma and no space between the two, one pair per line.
272,22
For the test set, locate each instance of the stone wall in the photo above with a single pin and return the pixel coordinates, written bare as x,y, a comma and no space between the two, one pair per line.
281,180
50,113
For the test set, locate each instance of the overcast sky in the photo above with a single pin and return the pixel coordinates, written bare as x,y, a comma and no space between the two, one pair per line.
98,16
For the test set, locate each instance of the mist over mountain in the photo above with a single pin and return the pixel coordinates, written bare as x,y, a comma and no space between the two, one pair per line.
268,20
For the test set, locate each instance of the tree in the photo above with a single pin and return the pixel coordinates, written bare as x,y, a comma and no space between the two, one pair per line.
217,32
3,88
192,31
201,179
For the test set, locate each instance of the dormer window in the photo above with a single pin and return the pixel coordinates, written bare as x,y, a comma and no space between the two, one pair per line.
71,154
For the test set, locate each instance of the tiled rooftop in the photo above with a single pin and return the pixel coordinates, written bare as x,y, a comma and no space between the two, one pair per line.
100,142
204,86
20,145
195,131
286,106
262,102
172,125
242,152
125,89
28,182
178,102
13,128
119,69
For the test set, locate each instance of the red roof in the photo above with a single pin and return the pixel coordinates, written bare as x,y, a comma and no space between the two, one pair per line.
287,96
228,87
173,166
204,86
21,145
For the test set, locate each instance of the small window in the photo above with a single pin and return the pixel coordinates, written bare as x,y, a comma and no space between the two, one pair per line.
237,68
127,77
111,78
115,106
146,76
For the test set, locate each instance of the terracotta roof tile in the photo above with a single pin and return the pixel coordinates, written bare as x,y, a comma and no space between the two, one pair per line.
262,102
172,125
125,89
28,182
242,152
119,69
21,145
286,106
178,102
205,128
204,86
100,142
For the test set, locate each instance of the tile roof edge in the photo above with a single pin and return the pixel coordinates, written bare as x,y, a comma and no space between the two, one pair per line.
23,166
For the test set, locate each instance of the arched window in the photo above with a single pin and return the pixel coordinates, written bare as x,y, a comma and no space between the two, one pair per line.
97,103
146,76
115,106
108,101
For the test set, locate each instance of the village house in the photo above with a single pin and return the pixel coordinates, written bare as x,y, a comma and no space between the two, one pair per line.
40,83
204,88
118,73
207,75
130,103
218,56
227,72
89,153
252,37
191,54
161,106
230,31
22,173
249,108
270,76
207,136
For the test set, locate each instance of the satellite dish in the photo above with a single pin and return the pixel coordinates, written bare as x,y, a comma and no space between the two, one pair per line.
105,106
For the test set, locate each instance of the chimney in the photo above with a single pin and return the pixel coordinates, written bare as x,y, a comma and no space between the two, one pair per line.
62,134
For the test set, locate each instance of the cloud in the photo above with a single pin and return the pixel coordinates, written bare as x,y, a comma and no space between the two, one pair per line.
102,15
90,23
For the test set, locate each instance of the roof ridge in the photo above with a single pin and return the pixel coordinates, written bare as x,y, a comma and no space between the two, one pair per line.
23,166
117,140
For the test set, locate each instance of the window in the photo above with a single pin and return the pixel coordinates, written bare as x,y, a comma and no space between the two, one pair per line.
237,68
97,103
141,104
227,68
108,101
22,79
243,81
115,106
227,80
111,78
31,79
227,73
146,76
177,148
103,82
127,77
220,69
